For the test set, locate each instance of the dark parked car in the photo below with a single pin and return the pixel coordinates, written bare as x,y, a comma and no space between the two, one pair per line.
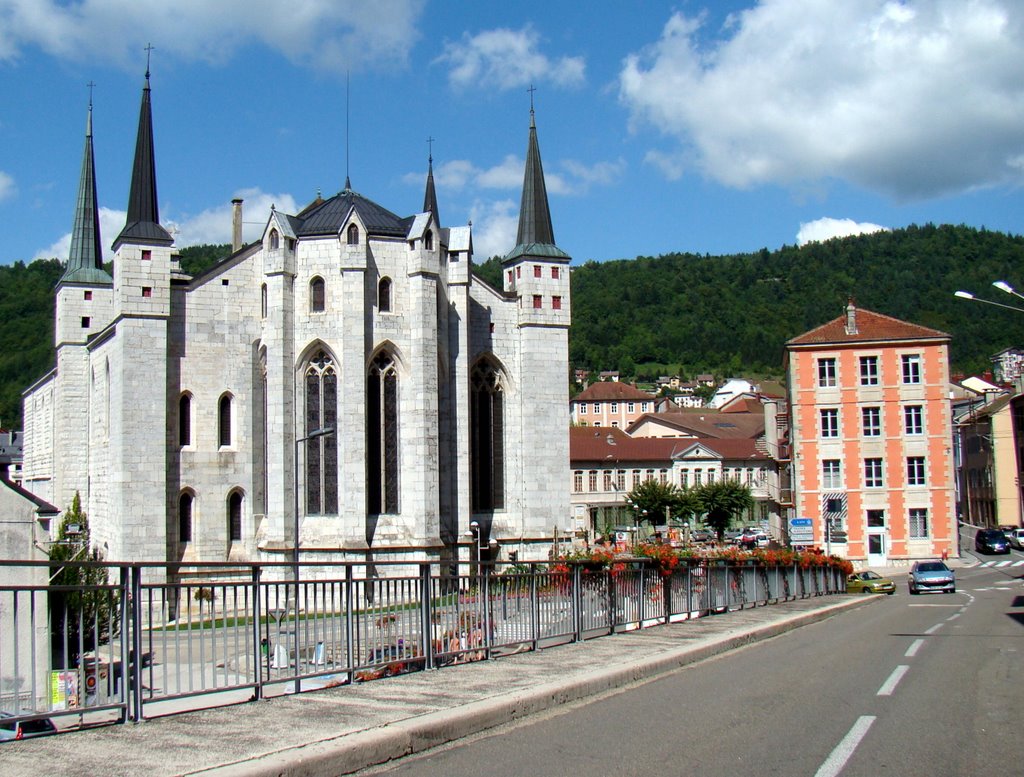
991,541
931,576
24,729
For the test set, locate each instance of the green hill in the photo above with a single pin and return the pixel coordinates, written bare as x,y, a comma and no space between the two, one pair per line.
722,314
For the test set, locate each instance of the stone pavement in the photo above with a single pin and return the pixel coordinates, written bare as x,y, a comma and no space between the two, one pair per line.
341,730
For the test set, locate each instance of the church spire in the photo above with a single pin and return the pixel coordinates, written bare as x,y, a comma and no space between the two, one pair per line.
85,258
143,223
430,196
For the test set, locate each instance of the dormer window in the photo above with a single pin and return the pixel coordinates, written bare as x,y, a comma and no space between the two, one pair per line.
428,240
275,240
352,235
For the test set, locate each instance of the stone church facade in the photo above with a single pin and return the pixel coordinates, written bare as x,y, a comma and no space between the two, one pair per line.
347,374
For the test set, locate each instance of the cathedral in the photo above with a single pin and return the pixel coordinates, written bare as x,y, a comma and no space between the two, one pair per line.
343,389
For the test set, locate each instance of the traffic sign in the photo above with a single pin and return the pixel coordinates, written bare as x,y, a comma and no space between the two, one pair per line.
799,522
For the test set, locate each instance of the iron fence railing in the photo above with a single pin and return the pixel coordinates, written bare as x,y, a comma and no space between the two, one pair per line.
154,637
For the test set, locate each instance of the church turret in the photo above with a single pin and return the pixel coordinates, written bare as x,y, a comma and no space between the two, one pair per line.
430,196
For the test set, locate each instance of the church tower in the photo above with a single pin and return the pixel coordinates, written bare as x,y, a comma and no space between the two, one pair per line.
536,273
82,310
138,362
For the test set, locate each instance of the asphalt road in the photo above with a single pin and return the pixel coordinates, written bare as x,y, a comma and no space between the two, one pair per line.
923,685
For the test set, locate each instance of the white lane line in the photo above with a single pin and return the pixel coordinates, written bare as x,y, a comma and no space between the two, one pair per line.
837,758
914,647
953,617
933,629
890,685
934,605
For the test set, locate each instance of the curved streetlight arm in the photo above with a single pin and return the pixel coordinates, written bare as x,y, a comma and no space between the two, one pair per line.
968,295
1004,286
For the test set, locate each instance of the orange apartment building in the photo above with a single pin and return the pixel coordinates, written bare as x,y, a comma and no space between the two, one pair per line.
871,434
610,403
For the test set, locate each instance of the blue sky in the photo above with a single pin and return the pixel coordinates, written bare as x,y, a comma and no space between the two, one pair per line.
697,125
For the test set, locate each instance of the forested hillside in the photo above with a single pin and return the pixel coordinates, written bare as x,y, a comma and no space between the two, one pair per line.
725,314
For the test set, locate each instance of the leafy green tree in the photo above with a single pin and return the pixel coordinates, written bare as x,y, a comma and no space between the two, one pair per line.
82,615
654,501
721,501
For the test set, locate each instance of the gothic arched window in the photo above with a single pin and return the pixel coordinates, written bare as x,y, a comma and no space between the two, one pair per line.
352,235
487,437
317,295
384,295
428,240
275,240
321,452
224,421
185,517
263,301
185,420
382,436
235,517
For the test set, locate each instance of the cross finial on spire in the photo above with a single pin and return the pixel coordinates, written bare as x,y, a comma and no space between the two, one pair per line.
531,90
91,84
430,146
149,51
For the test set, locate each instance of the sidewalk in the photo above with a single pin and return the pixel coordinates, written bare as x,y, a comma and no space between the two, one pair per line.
342,730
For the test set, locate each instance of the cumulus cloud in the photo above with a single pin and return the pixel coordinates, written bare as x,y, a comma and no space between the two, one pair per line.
568,177
914,99
331,34
212,225
507,59
495,225
7,186
827,228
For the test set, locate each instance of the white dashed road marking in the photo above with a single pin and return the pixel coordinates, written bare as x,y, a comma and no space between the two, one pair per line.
837,758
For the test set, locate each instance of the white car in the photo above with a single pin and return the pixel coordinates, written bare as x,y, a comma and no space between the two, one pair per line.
1015,538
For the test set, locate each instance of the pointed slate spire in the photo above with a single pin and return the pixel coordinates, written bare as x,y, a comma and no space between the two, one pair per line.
430,196
536,236
85,259
143,223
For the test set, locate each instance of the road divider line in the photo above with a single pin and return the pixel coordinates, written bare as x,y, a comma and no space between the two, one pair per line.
914,647
933,629
953,617
837,759
894,679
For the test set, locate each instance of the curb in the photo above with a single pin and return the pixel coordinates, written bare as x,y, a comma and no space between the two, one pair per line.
351,752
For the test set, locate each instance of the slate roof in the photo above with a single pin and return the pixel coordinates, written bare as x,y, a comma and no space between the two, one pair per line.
871,327
612,390
328,216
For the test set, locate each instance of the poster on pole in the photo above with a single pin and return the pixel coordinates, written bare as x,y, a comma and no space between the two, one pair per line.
63,689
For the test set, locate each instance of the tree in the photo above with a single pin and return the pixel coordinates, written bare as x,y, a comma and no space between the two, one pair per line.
654,501
83,615
721,501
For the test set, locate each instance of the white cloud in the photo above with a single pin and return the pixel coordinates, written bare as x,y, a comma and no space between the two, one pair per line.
828,228
212,225
495,225
576,179
7,186
507,59
330,34
914,99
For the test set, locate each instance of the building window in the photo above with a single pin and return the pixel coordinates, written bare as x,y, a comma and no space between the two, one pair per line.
185,420
871,421
608,475
537,301
827,373
918,523
915,470
697,475
597,408
235,517
352,235
615,424
428,240
592,481
536,271
85,322
147,255
509,277
873,473
876,519
913,419
147,291
382,435
684,478
620,479
87,295
321,453
275,240
224,421
583,408
630,407
911,363
615,407
869,370
263,301
554,273
185,518
831,474
487,436
830,422
577,481
317,295
556,303
711,476
644,407
519,271
384,295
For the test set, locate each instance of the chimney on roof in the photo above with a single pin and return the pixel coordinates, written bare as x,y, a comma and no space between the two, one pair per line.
851,317
236,224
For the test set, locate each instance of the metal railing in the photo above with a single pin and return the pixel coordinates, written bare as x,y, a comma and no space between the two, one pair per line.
156,637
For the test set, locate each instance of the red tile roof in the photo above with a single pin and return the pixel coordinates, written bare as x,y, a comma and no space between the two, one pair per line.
871,327
610,446
612,390
708,423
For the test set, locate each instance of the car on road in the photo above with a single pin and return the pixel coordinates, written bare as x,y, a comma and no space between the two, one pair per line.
991,541
1015,537
23,729
931,576
868,582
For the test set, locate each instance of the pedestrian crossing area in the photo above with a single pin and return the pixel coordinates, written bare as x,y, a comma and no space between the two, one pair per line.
1006,563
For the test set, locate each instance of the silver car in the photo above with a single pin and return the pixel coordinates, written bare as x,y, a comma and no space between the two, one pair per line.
932,576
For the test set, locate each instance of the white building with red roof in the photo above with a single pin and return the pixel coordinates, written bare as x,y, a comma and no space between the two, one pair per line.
610,403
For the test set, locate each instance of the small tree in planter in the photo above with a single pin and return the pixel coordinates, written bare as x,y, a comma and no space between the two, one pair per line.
722,501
